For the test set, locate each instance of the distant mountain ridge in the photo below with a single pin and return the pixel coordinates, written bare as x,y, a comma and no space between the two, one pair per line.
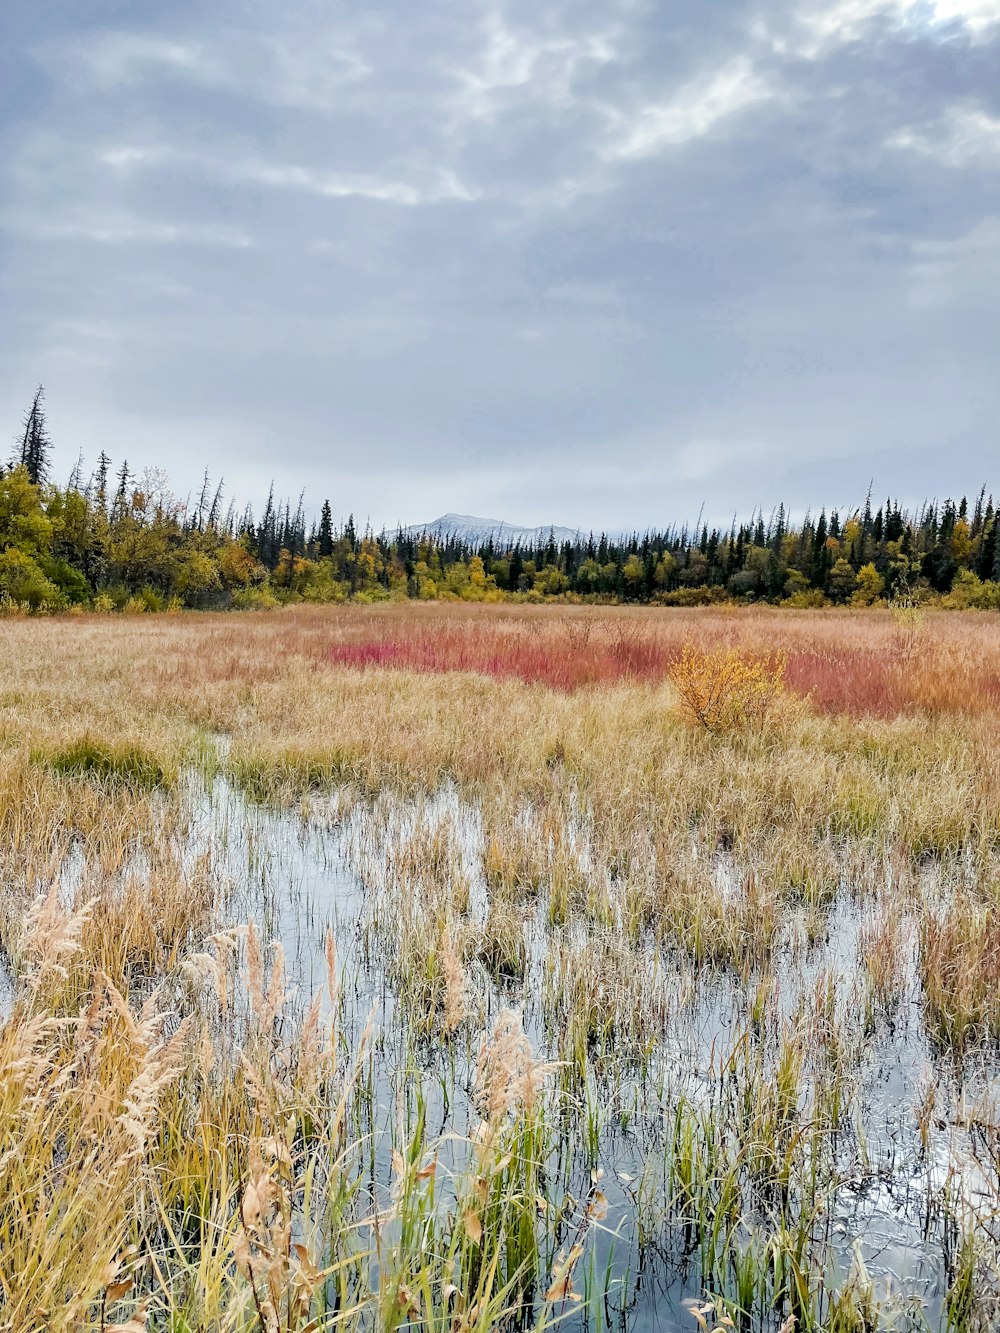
477,531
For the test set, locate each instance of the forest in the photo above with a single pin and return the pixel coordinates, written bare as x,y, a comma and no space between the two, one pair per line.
109,540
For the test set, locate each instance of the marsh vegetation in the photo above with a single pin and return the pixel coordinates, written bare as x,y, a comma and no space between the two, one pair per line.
462,968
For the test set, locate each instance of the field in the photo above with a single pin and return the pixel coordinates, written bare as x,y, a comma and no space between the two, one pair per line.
470,968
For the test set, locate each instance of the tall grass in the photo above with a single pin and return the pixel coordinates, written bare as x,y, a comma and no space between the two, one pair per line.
616,998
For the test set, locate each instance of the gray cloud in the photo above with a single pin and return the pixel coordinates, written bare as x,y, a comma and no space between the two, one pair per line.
582,262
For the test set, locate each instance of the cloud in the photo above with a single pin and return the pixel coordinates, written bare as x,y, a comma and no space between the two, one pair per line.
437,187
964,269
976,15
527,64
693,111
966,136
336,185
816,29
127,156
124,230
310,67
128,57
500,253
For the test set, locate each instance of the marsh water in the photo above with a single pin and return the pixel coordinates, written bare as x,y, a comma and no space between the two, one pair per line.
898,1190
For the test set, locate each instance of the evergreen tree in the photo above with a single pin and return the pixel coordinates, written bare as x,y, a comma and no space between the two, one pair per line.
75,482
326,531
516,569
778,530
124,477
198,517
99,481
267,537
212,521
35,443
987,553
977,513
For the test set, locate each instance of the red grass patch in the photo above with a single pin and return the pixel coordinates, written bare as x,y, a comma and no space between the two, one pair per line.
855,682
873,683
518,656
843,665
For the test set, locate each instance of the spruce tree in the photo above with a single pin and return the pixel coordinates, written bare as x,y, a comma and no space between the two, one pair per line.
35,443
99,481
987,553
326,530
215,508
124,477
267,544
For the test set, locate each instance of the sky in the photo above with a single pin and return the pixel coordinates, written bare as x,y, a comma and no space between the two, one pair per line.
592,262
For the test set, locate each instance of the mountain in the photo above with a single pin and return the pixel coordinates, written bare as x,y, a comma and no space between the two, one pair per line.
476,531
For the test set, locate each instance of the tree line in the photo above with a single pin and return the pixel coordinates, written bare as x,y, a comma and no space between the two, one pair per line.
110,540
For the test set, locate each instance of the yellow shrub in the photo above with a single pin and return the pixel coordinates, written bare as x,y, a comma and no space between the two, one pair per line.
724,689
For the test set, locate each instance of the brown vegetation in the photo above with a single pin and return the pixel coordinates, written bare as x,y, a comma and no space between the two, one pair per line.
593,909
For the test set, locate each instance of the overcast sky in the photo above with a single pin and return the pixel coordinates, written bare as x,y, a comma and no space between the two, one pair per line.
591,262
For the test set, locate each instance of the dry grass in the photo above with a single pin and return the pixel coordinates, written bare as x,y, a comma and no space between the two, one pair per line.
188,1142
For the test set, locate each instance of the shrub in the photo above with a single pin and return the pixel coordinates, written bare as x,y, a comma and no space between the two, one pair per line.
71,583
147,599
971,593
804,601
725,690
254,599
692,597
22,580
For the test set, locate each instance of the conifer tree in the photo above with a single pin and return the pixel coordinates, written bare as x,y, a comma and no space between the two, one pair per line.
326,530
124,476
35,443
215,508
99,481
267,541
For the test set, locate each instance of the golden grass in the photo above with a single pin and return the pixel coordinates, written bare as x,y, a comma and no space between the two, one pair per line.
186,1143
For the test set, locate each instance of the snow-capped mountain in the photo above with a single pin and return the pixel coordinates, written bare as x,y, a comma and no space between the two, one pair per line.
469,528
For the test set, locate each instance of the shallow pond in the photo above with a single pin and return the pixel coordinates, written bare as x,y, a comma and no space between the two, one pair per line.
710,1128
893,1193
